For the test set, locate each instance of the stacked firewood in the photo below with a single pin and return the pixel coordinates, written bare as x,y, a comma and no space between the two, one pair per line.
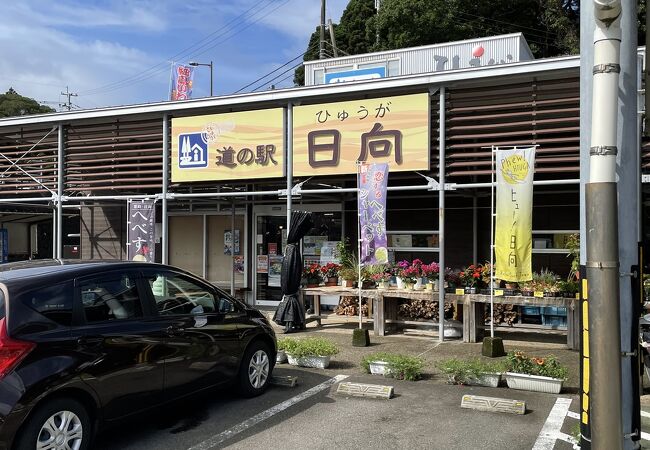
349,306
503,314
423,309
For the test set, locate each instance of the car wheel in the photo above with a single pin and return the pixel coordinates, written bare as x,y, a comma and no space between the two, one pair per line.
255,370
58,424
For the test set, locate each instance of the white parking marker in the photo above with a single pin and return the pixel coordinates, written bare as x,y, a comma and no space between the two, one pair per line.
551,429
243,426
645,414
573,415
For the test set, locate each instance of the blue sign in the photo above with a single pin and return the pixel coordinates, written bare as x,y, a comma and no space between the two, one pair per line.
192,151
370,73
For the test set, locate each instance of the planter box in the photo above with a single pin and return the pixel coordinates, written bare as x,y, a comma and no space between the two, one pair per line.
534,383
379,368
316,362
281,357
486,379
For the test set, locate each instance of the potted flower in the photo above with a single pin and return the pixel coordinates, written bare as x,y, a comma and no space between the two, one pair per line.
399,268
452,279
311,352
408,275
528,288
431,272
330,273
470,277
394,365
417,266
486,276
535,374
382,279
473,372
349,270
312,275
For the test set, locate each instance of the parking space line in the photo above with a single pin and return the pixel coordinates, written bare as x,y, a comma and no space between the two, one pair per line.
243,426
573,415
551,429
645,414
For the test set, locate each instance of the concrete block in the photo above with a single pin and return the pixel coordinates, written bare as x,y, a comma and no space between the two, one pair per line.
493,404
365,390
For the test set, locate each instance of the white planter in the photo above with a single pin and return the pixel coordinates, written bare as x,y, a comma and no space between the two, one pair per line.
379,368
383,285
400,283
316,362
486,379
281,357
534,383
418,284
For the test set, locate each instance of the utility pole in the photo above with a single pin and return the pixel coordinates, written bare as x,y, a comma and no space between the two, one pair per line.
332,38
67,105
321,53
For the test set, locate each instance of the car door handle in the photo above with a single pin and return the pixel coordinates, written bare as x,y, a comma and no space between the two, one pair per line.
90,341
175,331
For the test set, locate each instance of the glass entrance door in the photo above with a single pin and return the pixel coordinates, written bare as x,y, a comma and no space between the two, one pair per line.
270,238
270,241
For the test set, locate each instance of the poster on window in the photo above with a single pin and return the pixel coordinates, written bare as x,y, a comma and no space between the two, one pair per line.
227,242
275,271
238,263
513,238
140,226
262,263
372,180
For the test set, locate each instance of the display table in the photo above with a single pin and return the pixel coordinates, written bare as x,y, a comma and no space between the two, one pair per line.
385,310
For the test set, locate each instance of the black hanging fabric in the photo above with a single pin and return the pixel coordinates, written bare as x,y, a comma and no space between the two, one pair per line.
290,312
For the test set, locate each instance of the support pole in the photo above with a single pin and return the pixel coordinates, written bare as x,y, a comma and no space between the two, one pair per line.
475,230
492,217
602,234
58,239
165,181
321,53
232,252
289,158
441,217
205,247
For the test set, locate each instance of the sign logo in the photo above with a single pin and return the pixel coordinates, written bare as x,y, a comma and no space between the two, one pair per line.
193,151
370,73
515,169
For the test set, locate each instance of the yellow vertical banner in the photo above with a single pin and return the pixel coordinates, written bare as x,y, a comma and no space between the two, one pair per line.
514,214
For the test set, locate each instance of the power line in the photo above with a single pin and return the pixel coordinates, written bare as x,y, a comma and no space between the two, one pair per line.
67,105
156,67
138,79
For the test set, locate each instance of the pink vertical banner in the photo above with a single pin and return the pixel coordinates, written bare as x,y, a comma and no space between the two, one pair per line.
372,181
182,82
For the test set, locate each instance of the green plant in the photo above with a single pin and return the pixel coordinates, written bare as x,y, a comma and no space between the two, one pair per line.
461,371
286,344
312,346
573,245
344,254
401,367
519,362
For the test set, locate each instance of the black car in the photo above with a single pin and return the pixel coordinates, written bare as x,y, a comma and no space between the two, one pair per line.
85,344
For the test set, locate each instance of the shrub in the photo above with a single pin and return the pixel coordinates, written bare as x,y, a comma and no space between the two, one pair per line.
286,344
461,371
312,346
519,362
401,367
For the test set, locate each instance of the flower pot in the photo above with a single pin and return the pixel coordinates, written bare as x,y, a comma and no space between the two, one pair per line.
471,290
383,285
534,383
332,281
428,286
312,285
367,285
379,368
316,362
400,282
348,283
485,379
409,286
527,293
418,284
281,357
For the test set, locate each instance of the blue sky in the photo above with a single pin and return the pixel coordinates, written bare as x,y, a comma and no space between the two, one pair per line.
115,52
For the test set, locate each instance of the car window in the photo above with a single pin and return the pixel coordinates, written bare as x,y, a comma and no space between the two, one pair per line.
110,298
53,302
177,294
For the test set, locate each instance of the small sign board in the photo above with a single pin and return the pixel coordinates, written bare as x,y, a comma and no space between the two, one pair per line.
370,73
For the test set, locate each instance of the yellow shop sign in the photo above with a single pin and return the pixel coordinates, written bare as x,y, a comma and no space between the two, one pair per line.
228,146
329,138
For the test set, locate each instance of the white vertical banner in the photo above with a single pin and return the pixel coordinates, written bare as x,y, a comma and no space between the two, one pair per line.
514,213
141,224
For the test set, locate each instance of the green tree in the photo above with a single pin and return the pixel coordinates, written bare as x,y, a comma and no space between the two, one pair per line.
14,104
350,35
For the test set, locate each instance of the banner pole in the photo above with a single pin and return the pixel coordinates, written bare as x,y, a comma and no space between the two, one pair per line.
492,244
359,246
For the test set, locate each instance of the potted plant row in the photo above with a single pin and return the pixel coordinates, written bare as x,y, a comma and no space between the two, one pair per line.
393,365
534,374
312,352
473,372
